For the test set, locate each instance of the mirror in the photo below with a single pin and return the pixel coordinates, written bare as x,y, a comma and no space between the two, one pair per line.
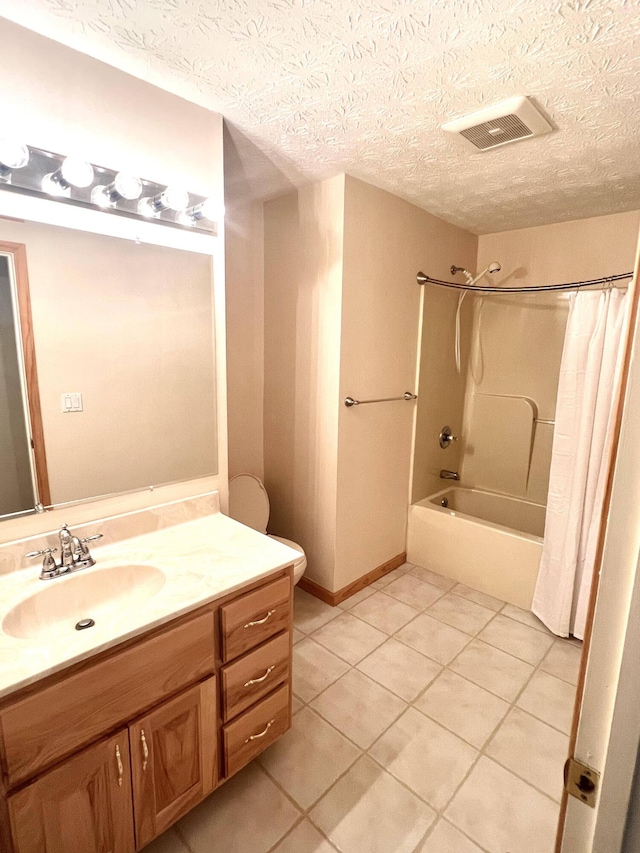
17,491
112,343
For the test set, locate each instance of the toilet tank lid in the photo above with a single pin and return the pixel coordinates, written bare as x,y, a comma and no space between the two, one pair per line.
249,502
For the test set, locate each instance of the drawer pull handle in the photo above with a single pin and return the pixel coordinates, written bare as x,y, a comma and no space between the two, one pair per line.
260,734
145,749
261,621
262,677
120,767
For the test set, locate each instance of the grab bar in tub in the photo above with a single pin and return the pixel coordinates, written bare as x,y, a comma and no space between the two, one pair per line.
349,401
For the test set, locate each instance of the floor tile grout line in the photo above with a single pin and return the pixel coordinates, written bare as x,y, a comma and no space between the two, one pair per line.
546,794
396,632
480,751
442,819
304,813
447,666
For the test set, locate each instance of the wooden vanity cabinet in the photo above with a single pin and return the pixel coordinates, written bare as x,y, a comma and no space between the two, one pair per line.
173,759
83,806
60,793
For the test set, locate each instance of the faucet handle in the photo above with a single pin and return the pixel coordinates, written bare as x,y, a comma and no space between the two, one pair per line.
446,437
46,552
49,568
83,549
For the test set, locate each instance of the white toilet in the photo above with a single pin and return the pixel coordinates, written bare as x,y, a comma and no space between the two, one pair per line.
249,504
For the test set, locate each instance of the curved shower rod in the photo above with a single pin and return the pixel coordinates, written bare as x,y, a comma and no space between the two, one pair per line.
422,278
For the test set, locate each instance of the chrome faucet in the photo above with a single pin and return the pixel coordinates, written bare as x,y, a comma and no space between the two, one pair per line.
74,555
449,475
69,547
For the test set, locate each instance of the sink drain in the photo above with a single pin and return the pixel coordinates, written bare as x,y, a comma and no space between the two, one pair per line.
84,623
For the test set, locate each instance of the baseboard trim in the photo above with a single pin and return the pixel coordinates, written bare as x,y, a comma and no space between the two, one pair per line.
334,598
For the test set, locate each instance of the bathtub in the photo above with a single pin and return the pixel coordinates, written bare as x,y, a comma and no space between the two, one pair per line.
488,541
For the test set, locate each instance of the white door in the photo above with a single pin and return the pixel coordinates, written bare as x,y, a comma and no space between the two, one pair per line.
606,728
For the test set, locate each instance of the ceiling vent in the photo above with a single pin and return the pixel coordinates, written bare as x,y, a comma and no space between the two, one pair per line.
509,121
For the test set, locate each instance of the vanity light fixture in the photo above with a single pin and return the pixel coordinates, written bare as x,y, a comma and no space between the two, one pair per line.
74,172
123,187
13,155
73,180
172,198
207,209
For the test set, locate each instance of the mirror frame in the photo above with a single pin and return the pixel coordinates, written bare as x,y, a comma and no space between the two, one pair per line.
17,252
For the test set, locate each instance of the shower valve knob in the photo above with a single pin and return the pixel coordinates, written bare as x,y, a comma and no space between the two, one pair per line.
446,437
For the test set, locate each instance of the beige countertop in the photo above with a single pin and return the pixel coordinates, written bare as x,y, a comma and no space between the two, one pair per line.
202,560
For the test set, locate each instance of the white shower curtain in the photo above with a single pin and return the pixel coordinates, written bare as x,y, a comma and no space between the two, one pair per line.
591,361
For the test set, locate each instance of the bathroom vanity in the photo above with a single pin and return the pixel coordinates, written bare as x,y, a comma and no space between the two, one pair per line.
106,752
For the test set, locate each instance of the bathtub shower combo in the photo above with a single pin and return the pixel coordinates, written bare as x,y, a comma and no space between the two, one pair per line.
486,537
488,541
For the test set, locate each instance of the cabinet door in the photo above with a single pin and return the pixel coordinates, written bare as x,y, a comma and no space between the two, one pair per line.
173,759
82,806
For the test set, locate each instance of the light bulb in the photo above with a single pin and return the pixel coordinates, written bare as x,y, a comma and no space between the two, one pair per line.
123,187
172,198
13,155
208,209
74,172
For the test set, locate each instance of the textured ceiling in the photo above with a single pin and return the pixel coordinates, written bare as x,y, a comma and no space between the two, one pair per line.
325,86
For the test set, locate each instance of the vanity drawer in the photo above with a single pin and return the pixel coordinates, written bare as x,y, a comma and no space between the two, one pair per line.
255,730
256,674
73,711
254,617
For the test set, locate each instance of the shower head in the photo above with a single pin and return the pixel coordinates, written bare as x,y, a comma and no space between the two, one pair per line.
494,266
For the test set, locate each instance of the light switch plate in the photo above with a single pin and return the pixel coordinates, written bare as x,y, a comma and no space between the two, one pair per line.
72,401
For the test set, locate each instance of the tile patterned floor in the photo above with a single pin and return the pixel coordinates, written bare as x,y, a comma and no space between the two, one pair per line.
428,718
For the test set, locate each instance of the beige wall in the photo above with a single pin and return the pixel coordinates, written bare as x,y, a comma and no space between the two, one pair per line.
244,268
517,345
342,313
303,234
65,101
130,327
387,240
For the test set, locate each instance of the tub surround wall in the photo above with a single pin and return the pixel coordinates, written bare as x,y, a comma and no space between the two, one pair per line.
62,100
513,377
518,341
441,389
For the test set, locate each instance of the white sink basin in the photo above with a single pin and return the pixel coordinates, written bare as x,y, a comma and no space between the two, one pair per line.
101,595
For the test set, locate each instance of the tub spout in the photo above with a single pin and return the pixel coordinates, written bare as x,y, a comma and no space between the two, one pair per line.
449,475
